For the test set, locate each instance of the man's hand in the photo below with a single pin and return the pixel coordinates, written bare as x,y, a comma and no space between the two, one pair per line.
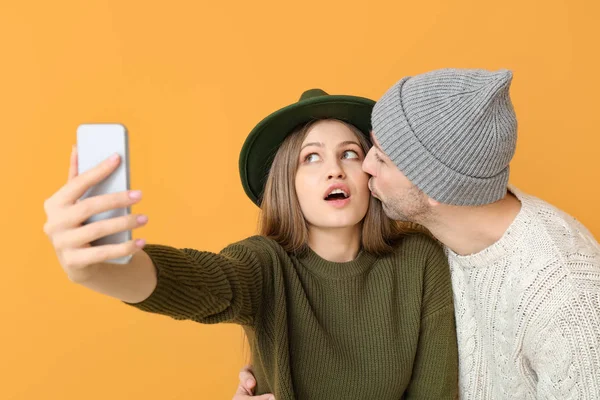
245,389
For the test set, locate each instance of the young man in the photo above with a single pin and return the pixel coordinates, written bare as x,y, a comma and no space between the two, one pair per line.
525,275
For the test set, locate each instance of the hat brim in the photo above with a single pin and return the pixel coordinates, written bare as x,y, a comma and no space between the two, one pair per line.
262,143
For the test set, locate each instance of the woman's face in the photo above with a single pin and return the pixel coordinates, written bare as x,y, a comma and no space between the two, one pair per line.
331,186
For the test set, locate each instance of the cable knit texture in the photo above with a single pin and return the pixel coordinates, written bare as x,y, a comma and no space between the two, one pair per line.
371,328
528,310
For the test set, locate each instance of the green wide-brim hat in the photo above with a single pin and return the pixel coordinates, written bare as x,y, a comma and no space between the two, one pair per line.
263,142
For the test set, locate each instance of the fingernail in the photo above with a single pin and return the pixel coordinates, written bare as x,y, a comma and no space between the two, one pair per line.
135,194
142,219
250,382
140,243
114,157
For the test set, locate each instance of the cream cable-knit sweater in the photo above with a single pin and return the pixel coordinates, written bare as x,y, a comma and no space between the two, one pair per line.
528,310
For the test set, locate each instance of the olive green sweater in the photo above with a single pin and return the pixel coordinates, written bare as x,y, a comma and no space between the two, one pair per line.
372,328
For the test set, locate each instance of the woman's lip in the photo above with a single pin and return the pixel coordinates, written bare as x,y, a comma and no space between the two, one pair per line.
339,203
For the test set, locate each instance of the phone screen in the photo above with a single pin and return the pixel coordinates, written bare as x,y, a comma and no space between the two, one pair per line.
95,143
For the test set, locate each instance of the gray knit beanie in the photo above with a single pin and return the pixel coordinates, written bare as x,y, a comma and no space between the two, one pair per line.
452,132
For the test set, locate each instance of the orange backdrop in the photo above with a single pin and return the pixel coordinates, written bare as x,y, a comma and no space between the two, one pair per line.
190,79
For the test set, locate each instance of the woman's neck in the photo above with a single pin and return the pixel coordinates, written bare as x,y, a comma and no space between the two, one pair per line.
335,244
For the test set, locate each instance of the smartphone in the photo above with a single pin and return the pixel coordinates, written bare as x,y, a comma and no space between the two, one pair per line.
95,143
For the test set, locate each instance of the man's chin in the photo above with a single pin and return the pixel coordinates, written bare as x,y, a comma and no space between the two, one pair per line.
392,214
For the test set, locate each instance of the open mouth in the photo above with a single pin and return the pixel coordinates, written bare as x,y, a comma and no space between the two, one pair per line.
337,194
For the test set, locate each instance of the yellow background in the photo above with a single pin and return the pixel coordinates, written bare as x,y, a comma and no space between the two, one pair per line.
190,79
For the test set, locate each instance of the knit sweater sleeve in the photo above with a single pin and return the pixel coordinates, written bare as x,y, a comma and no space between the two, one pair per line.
566,358
435,369
208,287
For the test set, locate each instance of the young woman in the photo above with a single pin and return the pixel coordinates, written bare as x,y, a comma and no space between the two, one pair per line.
335,301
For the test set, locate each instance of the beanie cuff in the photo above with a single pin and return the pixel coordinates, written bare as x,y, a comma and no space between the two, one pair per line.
438,181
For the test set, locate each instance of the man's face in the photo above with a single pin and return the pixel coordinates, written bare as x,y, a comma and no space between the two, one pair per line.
401,200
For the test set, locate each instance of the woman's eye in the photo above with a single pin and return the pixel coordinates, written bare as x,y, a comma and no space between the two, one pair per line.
350,154
312,157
